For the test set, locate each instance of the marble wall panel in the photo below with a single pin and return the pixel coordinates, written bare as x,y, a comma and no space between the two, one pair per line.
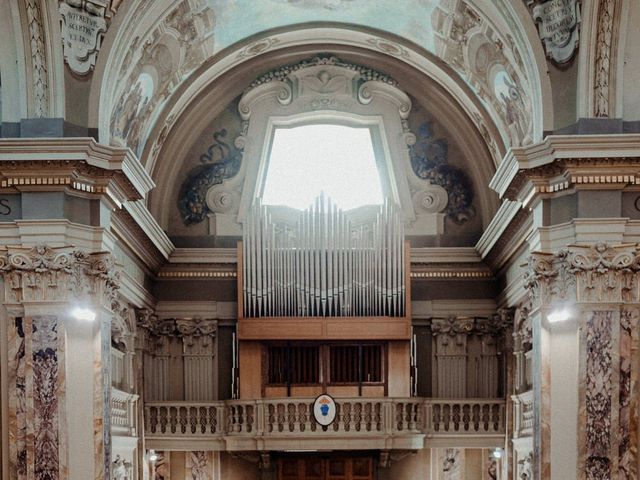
628,403
199,466
17,400
45,366
161,468
598,395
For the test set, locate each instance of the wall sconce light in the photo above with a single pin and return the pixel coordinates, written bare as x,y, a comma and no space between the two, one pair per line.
83,313
153,456
561,313
497,453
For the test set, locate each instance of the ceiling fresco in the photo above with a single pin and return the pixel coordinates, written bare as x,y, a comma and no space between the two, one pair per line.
412,21
161,58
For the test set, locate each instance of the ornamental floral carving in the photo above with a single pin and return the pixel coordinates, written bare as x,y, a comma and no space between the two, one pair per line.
586,273
46,274
177,327
453,326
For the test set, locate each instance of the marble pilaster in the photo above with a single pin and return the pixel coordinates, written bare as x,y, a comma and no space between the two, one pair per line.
599,285
59,366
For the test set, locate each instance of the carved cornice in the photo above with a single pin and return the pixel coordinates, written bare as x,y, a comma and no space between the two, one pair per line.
561,162
46,274
585,273
80,164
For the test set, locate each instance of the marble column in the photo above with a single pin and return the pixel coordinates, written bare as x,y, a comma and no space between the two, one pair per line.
58,365
586,368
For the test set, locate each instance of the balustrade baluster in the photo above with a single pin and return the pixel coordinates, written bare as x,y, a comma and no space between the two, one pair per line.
304,417
368,417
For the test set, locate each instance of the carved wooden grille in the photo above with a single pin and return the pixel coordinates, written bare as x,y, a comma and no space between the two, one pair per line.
294,364
355,363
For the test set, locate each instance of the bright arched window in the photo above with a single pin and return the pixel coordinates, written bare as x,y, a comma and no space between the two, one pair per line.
335,159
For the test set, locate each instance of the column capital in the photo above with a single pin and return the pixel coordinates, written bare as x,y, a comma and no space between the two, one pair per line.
598,273
44,274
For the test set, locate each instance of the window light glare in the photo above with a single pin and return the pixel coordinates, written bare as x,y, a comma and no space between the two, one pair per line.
559,315
84,314
310,159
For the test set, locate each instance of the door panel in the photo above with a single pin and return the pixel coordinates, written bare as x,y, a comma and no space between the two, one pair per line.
332,468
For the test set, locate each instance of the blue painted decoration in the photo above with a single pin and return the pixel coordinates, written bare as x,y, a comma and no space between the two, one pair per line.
221,161
429,160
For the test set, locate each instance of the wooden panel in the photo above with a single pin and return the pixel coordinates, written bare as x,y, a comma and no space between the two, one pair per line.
399,360
325,328
250,354
332,468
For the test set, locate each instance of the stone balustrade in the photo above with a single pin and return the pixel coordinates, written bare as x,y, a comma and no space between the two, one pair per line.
289,423
123,413
523,414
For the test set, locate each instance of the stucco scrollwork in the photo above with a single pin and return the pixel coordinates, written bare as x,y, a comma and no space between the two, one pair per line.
558,25
221,199
432,199
83,25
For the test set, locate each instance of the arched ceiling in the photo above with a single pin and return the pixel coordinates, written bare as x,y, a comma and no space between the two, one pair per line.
156,50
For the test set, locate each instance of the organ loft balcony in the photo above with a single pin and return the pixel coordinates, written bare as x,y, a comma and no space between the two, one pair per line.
324,314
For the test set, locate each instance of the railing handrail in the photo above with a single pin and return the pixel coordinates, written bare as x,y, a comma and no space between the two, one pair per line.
270,417
257,401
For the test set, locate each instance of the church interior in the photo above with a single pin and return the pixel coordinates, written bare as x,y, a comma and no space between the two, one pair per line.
319,239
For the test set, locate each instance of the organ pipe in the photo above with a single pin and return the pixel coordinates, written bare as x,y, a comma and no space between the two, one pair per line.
326,264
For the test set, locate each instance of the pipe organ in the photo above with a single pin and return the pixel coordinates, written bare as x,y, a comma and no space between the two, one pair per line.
325,264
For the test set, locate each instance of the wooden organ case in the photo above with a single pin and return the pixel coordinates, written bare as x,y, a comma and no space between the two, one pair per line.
324,304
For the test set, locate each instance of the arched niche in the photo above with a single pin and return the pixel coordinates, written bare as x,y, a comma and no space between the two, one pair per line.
328,91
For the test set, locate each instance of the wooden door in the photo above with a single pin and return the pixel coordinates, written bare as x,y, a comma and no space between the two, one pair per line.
332,468
301,468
